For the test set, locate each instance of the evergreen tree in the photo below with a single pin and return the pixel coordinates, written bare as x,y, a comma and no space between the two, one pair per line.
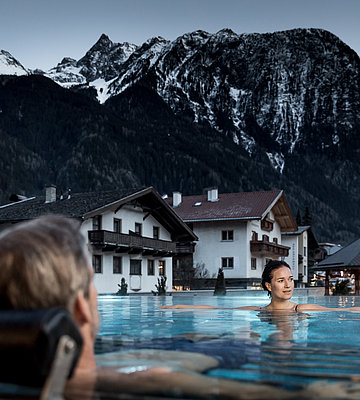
220,289
307,220
298,218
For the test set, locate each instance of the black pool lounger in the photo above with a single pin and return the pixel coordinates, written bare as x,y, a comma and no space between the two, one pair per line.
39,349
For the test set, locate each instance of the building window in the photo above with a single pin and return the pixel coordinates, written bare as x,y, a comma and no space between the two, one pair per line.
227,262
253,263
161,267
305,251
227,235
138,228
265,238
97,264
150,267
117,265
156,231
254,236
96,223
135,267
275,240
117,225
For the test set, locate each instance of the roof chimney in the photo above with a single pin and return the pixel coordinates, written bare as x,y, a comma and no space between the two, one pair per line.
50,193
177,199
212,194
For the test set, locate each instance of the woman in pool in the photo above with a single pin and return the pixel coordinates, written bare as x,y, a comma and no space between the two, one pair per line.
278,281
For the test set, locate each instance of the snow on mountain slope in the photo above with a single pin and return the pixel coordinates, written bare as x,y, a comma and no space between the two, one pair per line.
276,92
10,66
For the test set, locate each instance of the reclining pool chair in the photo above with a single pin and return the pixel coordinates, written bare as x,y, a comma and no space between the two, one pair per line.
38,349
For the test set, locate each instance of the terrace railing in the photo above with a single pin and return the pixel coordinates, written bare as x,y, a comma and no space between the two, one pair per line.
115,241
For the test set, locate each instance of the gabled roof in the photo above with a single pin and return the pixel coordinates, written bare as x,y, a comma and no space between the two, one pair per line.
346,257
312,241
300,230
87,205
237,206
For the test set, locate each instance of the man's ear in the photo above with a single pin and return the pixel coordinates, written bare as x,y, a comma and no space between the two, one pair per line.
82,312
268,286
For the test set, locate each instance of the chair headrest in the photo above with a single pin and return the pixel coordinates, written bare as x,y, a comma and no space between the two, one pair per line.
28,343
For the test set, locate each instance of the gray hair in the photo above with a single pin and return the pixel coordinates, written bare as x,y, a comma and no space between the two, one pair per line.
43,263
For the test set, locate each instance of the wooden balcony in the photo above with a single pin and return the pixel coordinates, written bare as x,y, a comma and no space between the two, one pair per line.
132,244
266,248
267,224
185,248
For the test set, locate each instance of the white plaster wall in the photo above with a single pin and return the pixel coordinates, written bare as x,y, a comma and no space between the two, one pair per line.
303,242
210,248
130,215
107,282
255,226
306,257
292,241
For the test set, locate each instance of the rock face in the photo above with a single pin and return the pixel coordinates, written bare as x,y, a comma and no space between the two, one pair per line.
243,112
277,92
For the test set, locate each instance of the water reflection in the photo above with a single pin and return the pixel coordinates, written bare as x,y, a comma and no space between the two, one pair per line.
289,326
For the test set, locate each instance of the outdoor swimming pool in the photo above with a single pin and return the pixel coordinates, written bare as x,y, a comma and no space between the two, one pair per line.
289,350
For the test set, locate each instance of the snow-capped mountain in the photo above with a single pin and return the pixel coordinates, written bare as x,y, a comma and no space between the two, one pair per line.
241,112
264,90
10,66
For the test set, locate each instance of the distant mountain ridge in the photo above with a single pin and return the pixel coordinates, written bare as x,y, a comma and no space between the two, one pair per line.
284,103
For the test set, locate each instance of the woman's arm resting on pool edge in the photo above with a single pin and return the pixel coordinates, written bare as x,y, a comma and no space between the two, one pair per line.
206,307
315,307
184,306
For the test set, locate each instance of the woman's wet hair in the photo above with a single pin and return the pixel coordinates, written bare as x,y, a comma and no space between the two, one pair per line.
267,275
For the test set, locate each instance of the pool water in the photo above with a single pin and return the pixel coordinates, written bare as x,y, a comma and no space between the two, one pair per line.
288,350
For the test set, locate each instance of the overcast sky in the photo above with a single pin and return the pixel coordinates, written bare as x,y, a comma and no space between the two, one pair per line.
39,33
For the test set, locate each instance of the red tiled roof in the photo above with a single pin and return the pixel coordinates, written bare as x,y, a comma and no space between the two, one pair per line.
245,205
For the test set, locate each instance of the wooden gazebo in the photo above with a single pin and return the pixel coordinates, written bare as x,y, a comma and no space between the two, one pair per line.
346,259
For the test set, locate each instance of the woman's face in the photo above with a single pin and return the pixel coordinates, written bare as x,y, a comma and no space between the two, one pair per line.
282,284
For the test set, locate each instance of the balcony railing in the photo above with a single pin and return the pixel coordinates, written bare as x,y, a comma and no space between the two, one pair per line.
268,248
130,243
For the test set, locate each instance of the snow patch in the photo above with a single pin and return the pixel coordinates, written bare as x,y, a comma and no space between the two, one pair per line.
101,87
277,161
10,66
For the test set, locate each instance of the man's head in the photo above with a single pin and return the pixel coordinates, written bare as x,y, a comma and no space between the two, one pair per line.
43,263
